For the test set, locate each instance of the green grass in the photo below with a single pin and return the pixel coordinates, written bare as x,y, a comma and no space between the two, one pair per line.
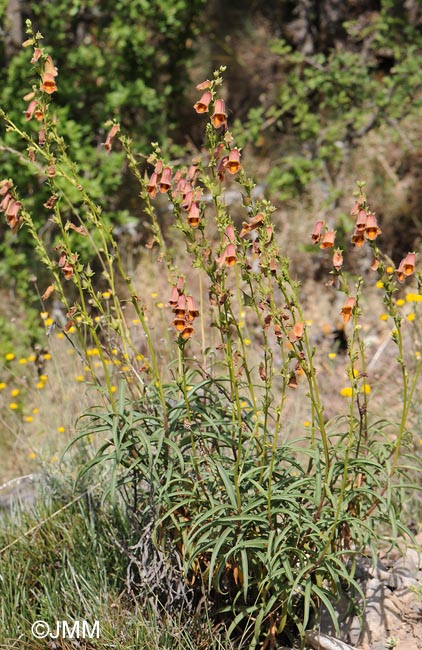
65,561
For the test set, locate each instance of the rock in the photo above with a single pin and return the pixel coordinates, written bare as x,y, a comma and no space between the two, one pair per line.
319,641
21,492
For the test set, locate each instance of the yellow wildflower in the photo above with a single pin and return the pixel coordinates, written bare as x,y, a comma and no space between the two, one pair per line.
414,297
346,392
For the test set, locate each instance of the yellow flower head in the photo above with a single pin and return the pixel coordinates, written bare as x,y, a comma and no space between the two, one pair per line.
366,389
14,392
9,356
346,392
414,297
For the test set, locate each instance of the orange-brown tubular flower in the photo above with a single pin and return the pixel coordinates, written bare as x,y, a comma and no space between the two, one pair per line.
230,255
179,324
298,329
5,186
406,267
229,232
347,309
328,239
194,215
191,310
337,259
204,85
110,137
233,162
174,297
187,332
361,220
152,185
48,84
219,117
371,228
316,235
202,105
358,238
165,182
5,202
180,309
